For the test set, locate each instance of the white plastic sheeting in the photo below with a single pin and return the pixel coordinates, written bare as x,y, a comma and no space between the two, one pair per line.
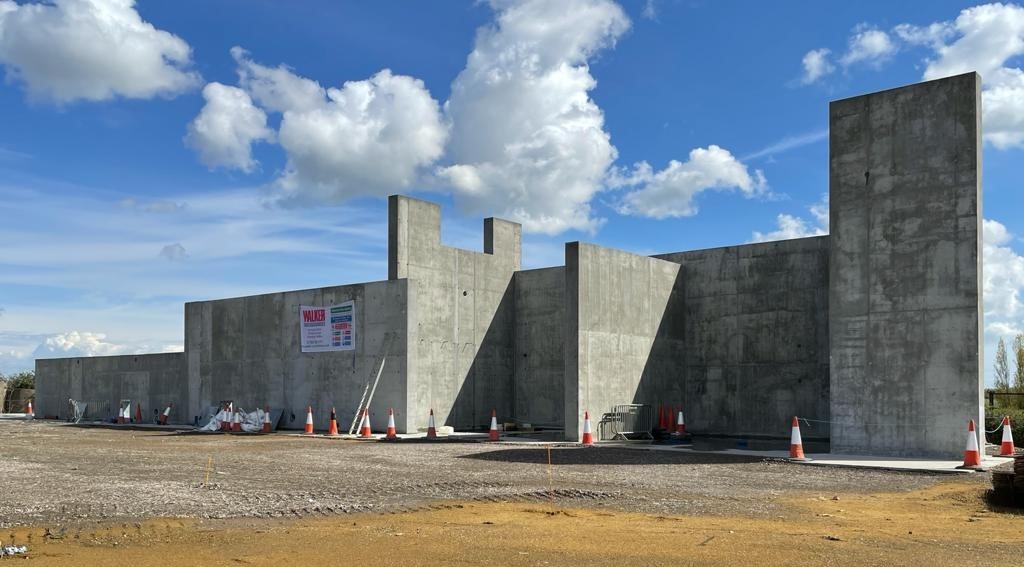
12,550
251,422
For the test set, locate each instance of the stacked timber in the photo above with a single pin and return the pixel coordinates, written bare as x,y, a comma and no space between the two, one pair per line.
1018,480
1008,483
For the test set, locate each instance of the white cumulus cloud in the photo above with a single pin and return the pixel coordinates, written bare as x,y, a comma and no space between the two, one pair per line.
816,65
789,226
519,137
868,45
933,35
1003,276
987,39
369,137
93,50
671,191
75,343
984,39
528,143
1002,286
227,127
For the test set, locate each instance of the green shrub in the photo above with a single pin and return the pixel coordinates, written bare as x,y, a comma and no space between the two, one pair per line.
25,379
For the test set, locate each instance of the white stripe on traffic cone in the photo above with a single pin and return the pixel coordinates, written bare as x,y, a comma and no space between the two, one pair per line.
493,433
365,432
796,443
972,456
309,421
588,436
431,430
391,433
1006,447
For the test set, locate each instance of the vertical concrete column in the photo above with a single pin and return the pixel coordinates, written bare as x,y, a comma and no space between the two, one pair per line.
414,231
462,302
904,300
571,336
504,238
197,360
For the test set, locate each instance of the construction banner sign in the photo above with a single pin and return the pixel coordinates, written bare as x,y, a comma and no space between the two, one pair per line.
324,329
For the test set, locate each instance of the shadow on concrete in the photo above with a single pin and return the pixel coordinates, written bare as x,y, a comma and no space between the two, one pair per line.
606,456
487,384
735,362
142,427
663,380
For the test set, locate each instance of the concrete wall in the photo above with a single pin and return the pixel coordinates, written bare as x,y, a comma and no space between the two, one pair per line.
751,324
463,317
905,301
615,306
738,335
247,349
155,380
539,382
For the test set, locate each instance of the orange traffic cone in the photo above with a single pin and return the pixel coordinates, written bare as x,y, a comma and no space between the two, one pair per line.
364,431
431,430
972,456
228,411
138,413
588,436
266,419
166,414
236,421
309,421
1006,449
392,435
333,430
796,444
493,434
30,411
680,424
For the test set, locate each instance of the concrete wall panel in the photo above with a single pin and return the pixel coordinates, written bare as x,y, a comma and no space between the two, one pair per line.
905,303
754,336
248,350
464,315
155,380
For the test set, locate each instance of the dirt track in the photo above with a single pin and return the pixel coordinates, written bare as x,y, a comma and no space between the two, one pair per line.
94,496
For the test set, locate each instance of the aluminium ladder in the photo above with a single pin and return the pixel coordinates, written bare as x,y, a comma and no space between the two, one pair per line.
364,401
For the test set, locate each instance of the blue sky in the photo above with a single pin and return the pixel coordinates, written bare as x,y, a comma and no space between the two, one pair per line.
154,153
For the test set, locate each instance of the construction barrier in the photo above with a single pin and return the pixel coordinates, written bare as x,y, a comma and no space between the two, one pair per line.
627,421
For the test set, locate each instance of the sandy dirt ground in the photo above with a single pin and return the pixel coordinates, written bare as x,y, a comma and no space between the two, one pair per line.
95,496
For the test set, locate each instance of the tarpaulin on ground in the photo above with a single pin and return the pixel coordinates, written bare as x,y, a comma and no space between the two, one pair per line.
251,422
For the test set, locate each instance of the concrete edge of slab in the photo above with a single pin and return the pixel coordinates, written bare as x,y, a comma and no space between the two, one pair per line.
895,464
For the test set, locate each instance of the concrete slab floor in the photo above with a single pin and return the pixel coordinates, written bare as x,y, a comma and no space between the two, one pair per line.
828,459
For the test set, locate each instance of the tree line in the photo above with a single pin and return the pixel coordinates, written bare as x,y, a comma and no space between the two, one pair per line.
1002,370
26,379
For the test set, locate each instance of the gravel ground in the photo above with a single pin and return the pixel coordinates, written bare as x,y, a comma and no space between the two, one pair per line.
61,475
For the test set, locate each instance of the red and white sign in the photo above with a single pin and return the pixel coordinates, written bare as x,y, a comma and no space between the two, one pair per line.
328,328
